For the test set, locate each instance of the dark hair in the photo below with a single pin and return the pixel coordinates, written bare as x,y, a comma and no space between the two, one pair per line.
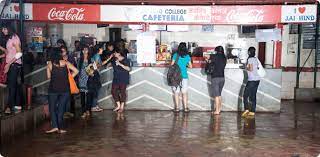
11,31
219,49
121,52
77,41
61,41
109,44
82,57
97,47
182,49
56,56
64,47
252,52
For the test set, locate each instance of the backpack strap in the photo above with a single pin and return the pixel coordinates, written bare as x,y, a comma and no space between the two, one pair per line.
177,59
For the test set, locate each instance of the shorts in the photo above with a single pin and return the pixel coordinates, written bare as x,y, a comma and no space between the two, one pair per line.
183,88
217,84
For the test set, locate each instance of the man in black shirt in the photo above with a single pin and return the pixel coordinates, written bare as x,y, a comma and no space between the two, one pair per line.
217,78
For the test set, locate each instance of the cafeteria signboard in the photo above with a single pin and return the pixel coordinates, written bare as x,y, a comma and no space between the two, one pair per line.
12,11
156,14
66,12
262,14
298,13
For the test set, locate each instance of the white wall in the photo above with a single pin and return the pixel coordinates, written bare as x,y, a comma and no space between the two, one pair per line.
71,32
289,83
289,59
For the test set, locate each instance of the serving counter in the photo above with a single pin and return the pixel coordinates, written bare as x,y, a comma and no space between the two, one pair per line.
148,89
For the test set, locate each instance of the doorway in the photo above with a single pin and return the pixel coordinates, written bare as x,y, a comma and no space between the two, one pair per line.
262,52
114,34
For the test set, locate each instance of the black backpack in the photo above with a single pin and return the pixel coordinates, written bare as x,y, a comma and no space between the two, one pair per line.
174,74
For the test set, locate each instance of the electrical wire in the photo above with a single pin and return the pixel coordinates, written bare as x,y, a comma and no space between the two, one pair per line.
305,61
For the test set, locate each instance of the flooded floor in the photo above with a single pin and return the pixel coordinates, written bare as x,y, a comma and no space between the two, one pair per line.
295,132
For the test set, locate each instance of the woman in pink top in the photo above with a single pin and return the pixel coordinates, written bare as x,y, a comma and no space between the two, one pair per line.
12,68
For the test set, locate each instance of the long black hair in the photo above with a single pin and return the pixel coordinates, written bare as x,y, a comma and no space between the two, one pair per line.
62,42
182,49
251,52
82,57
11,31
56,56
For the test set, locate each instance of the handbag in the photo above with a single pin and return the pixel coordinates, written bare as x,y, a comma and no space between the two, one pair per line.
261,71
73,85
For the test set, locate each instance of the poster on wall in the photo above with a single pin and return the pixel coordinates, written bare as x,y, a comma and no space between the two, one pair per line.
36,44
155,14
12,11
298,13
268,35
146,48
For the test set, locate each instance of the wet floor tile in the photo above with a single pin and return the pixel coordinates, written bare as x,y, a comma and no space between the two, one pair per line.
293,132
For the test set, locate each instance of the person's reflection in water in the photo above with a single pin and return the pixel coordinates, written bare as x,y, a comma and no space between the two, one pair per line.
249,127
215,127
119,127
185,120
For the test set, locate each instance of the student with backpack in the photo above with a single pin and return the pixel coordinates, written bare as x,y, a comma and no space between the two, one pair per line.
250,92
178,77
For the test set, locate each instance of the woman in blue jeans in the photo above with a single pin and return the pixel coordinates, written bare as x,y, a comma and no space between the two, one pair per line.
59,90
250,92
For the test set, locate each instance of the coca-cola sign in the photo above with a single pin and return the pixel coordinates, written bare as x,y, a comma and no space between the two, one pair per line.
67,12
245,14
72,14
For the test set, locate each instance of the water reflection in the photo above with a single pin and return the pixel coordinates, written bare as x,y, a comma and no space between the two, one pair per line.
249,127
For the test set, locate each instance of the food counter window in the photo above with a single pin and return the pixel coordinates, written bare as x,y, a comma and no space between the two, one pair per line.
201,41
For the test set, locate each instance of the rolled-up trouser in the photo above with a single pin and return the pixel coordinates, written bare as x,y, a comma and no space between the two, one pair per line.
118,92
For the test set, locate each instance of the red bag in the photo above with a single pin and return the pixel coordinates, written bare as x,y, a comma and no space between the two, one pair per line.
3,76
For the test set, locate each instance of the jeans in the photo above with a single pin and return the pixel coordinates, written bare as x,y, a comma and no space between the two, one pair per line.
57,104
250,94
70,107
15,91
93,98
85,104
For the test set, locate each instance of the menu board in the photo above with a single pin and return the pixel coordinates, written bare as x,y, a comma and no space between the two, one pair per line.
146,48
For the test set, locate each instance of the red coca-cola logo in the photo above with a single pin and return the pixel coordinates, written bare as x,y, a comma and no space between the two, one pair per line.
66,14
254,15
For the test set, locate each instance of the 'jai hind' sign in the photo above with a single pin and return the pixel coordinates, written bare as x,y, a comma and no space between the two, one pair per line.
298,13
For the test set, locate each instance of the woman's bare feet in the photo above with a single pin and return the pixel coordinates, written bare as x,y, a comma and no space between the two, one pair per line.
54,130
120,110
116,109
62,131
7,111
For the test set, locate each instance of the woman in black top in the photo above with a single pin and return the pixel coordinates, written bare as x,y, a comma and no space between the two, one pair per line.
217,78
121,69
59,90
